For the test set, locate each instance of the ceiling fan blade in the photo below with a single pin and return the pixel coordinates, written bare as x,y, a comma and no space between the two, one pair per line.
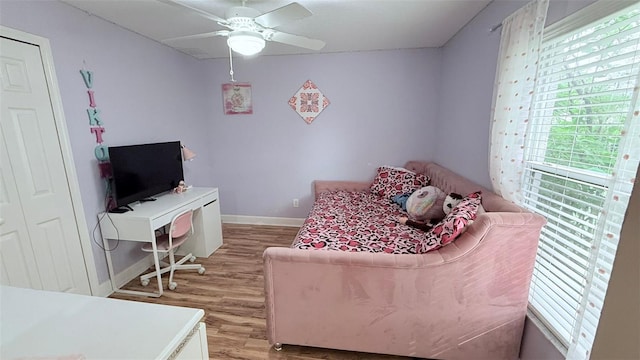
297,40
203,13
198,36
291,12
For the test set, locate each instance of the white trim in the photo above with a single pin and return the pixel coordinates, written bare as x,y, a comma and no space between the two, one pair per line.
262,220
104,289
65,147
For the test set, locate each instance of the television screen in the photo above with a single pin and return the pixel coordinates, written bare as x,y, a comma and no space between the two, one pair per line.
142,171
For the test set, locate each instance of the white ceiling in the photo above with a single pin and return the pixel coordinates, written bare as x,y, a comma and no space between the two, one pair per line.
345,25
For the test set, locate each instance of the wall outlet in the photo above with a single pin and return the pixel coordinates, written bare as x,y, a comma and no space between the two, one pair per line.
296,203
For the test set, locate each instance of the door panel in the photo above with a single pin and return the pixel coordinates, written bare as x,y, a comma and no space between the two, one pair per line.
14,268
51,246
17,262
25,124
39,174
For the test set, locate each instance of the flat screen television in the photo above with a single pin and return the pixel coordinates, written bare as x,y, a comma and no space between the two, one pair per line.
142,171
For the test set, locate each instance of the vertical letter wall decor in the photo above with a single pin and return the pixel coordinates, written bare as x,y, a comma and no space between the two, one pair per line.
101,151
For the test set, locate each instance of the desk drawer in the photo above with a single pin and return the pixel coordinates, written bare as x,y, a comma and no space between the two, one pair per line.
117,227
196,204
166,218
204,200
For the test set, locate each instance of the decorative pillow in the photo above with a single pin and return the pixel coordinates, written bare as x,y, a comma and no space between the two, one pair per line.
452,225
426,203
392,181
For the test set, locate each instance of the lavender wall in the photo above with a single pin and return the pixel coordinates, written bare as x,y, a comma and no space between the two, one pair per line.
383,111
146,92
468,72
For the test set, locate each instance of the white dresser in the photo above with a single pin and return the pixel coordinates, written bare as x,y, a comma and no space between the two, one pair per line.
43,324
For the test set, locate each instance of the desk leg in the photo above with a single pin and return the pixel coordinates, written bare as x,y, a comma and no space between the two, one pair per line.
156,261
112,275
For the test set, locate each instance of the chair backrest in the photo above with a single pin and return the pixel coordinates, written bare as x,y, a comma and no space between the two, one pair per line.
181,224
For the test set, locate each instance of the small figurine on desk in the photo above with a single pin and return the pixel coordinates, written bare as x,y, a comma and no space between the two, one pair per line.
180,188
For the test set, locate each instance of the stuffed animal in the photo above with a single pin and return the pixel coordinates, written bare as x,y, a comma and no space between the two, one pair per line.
450,201
425,204
401,200
180,188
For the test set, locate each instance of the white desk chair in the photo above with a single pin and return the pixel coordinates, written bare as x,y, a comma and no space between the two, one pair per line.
179,231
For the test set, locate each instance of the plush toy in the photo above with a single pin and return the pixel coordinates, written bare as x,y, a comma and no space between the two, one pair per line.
180,188
450,201
401,200
425,204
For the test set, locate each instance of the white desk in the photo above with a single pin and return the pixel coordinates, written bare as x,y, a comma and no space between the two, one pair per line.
141,223
40,324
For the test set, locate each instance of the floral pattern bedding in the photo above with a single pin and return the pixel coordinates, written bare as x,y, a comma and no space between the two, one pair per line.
357,221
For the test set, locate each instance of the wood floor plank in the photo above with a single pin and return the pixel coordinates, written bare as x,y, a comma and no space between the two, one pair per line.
231,293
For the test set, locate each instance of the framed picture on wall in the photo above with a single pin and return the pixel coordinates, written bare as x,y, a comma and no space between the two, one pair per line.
236,98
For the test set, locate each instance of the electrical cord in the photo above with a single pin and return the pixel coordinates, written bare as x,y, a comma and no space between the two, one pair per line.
106,213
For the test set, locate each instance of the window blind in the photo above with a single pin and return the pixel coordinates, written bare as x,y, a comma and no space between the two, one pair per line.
581,157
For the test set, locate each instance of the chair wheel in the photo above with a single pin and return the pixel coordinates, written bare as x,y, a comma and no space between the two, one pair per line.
144,282
172,286
201,271
192,259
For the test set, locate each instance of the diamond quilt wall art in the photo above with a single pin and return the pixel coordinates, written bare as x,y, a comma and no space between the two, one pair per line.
309,101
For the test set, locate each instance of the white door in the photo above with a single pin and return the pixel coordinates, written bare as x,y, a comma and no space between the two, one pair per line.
39,240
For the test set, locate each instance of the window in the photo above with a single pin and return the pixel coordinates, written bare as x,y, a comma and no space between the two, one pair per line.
581,158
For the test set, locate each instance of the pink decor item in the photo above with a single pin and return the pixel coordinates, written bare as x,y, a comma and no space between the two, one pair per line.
236,99
308,101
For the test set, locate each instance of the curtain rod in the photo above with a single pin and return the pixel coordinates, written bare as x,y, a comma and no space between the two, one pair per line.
495,27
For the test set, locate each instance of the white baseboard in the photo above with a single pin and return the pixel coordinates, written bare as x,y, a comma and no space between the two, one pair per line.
127,275
104,289
262,220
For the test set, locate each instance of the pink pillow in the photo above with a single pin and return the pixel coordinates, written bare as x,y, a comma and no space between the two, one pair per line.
392,181
452,225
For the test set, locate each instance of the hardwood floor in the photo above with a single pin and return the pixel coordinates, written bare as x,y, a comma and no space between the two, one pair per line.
231,292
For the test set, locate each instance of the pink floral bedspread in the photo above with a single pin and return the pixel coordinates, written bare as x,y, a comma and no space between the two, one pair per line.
356,221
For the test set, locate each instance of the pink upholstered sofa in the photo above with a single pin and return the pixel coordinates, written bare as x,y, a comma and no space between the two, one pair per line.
467,300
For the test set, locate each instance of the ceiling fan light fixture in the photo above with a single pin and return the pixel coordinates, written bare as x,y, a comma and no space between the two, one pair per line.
245,42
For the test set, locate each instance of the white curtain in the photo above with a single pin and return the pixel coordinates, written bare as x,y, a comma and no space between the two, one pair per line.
512,96
620,187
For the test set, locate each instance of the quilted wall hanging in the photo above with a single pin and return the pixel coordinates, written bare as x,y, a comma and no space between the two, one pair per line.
236,98
308,101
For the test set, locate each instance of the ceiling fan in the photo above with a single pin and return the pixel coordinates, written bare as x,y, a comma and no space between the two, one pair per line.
249,30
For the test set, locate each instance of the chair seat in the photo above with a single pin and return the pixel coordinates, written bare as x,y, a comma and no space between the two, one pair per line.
162,243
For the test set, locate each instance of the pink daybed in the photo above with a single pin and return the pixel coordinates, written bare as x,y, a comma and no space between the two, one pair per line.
466,300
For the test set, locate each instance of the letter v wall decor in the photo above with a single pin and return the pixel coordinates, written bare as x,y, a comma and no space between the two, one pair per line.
308,101
101,151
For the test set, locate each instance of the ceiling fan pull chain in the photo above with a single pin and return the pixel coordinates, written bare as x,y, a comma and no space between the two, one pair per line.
231,66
